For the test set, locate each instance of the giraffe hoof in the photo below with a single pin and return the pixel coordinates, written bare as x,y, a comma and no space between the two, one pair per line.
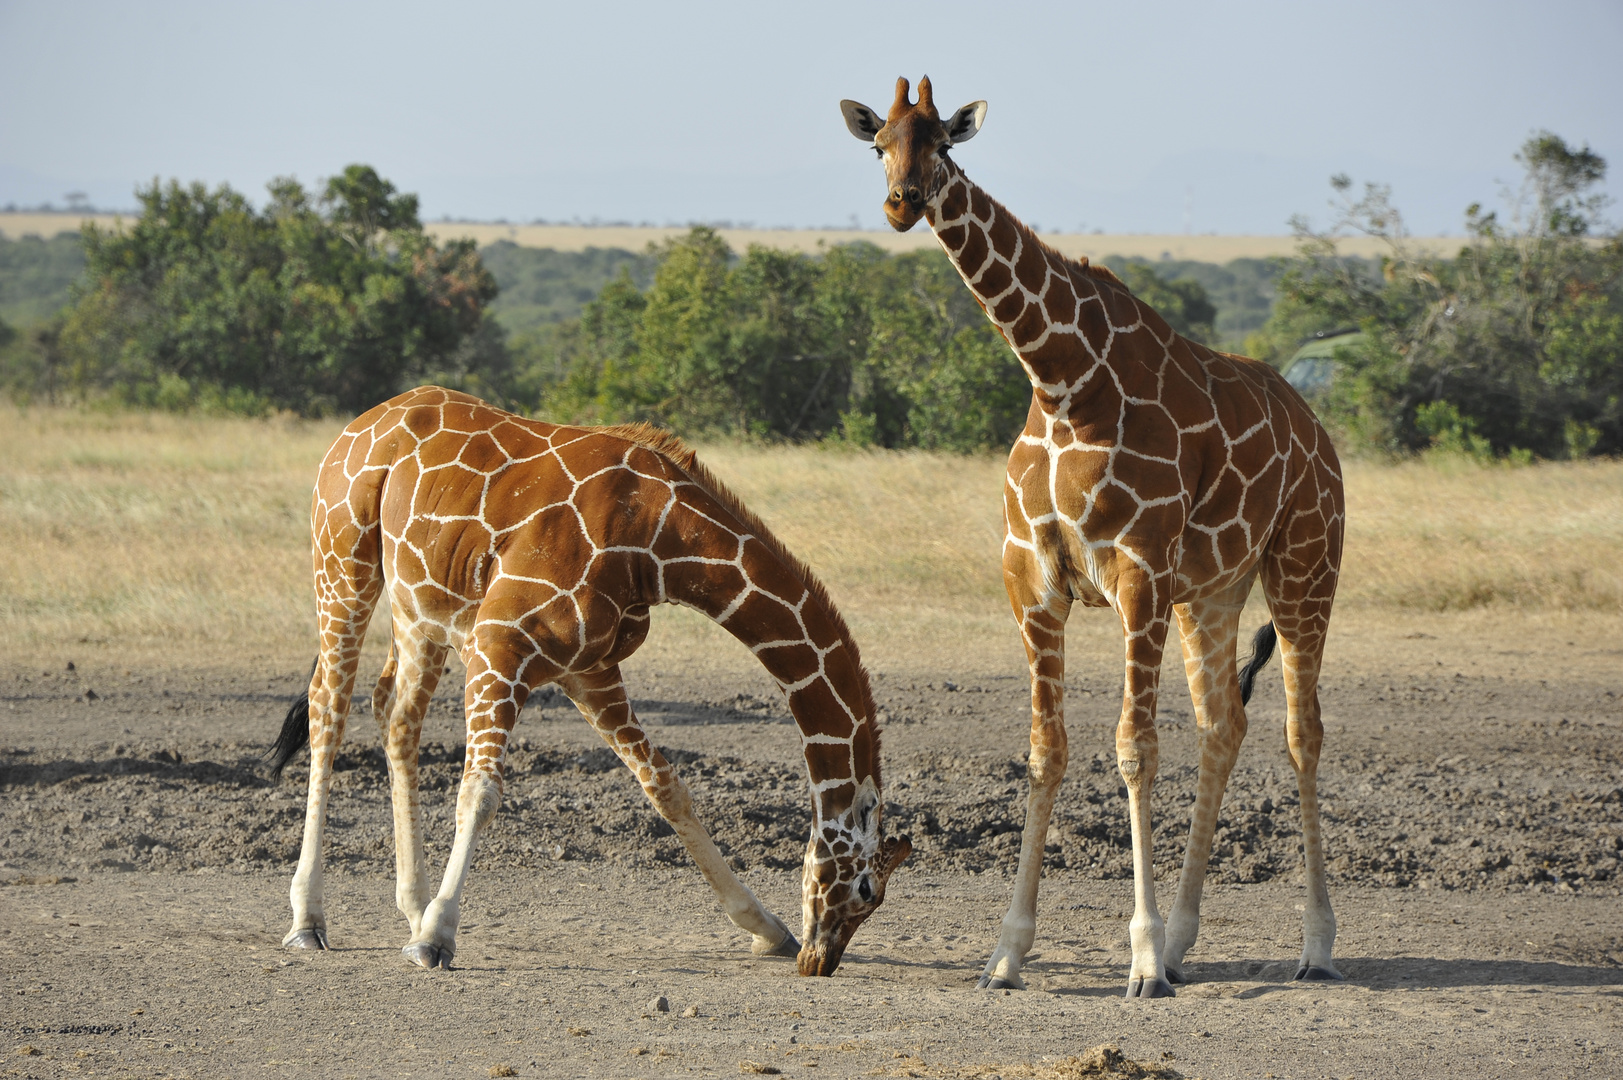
1312,973
1176,977
994,982
787,947
1149,988
311,937
428,955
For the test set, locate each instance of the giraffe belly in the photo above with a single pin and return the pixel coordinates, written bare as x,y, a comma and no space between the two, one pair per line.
1086,593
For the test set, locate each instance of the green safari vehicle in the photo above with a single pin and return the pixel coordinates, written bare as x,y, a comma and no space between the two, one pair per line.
1312,368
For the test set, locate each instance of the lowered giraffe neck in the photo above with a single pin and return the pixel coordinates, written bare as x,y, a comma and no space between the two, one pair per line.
1055,313
762,595
784,617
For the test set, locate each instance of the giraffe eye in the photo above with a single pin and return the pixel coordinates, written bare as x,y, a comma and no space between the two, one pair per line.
865,889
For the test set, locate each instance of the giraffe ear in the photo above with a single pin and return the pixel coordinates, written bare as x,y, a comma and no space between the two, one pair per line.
867,801
860,120
891,856
966,122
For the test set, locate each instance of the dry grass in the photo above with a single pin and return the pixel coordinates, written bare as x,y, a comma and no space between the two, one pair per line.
1449,534
151,535
155,533
1152,246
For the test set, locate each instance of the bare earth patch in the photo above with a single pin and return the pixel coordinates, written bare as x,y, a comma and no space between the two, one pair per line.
1471,785
1474,818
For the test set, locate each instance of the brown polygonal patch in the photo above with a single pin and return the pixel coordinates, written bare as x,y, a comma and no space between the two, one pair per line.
980,205
1004,237
817,699
1029,326
829,760
994,280
440,448
1009,308
1032,269
972,256
953,236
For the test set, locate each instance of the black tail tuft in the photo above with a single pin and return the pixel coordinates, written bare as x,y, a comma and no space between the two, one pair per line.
1262,649
295,734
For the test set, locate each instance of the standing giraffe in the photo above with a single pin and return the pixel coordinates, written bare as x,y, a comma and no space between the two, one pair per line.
1155,477
536,551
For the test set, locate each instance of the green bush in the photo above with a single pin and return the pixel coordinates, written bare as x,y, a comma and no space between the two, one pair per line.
313,304
1512,348
854,346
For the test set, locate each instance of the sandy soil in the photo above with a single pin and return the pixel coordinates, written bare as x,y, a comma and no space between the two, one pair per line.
1474,824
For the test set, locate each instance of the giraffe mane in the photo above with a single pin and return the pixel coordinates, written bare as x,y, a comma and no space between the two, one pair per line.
1080,263
670,446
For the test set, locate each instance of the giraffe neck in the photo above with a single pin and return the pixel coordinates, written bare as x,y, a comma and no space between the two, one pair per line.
783,615
1060,316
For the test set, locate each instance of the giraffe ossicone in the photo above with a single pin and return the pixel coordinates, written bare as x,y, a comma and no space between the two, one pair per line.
1159,478
536,553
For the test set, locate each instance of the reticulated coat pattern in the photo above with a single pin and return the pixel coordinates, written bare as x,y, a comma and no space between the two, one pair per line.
536,552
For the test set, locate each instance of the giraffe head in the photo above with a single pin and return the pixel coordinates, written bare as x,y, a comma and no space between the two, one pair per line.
848,863
913,143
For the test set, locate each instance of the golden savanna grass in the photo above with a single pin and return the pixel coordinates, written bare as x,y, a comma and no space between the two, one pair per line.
186,537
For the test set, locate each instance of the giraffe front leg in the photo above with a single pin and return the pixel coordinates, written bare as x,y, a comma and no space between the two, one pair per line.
1137,755
601,698
400,701
1044,635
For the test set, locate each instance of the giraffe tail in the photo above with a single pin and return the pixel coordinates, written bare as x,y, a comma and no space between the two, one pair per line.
1262,650
295,733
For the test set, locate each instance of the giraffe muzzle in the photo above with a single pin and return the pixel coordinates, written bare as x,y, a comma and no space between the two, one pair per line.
821,960
904,208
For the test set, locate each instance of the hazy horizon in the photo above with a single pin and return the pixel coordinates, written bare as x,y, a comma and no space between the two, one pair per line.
1181,118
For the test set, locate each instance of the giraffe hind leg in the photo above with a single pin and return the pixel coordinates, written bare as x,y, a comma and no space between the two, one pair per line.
295,736
326,707
1208,629
342,615
1301,618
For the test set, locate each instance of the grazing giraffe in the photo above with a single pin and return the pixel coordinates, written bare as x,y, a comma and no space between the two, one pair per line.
535,551
1156,477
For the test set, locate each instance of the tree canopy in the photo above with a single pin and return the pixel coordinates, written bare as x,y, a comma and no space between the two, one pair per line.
853,344
1514,346
320,303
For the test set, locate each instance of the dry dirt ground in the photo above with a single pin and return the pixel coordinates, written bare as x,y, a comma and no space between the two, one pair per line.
1474,824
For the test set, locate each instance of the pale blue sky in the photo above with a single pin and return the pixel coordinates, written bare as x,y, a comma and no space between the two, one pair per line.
1123,117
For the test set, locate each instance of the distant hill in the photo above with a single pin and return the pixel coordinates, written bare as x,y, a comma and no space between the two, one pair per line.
542,285
1148,246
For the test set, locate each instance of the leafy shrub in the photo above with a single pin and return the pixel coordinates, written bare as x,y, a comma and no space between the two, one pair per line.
855,346
1512,348
313,304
